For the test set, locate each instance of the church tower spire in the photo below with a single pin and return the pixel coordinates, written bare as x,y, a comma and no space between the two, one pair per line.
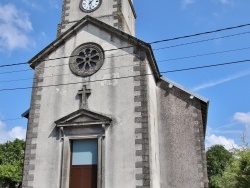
117,13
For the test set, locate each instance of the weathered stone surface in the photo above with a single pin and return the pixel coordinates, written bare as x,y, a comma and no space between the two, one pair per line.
179,136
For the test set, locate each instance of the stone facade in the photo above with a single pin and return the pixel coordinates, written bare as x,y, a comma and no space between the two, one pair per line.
150,132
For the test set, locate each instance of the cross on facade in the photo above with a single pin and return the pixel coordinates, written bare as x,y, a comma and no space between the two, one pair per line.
84,93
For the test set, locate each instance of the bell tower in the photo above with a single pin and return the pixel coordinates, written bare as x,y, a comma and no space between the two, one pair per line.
117,13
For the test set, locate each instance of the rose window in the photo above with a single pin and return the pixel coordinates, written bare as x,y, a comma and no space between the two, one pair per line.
86,59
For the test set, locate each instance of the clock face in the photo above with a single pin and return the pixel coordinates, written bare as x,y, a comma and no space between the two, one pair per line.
90,5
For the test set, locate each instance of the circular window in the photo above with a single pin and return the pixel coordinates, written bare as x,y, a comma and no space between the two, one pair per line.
86,59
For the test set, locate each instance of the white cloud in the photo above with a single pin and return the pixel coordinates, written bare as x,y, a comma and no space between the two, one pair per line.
2,125
226,2
32,4
242,117
54,4
16,132
185,3
220,140
15,27
221,81
188,2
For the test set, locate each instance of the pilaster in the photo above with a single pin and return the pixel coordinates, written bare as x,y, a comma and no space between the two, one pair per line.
32,130
200,147
142,163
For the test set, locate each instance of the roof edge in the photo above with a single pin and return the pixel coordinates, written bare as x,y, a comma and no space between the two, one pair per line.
203,99
81,112
71,31
26,114
133,9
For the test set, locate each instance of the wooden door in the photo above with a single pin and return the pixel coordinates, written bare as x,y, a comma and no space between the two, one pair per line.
83,173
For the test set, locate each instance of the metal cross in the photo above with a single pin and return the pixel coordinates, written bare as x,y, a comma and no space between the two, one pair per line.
84,93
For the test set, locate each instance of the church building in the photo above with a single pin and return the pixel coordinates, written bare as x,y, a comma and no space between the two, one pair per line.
101,114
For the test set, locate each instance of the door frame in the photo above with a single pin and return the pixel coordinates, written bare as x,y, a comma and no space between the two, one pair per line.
71,155
66,159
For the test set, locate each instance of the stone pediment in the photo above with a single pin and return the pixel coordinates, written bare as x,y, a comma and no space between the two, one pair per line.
62,39
83,117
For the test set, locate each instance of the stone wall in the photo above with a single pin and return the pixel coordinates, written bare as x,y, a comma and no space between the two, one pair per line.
181,139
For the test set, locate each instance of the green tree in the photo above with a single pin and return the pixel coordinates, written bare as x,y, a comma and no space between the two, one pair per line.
218,158
11,163
243,169
237,174
228,179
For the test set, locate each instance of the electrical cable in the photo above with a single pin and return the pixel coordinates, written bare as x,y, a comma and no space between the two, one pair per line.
195,42
13,119
23,70
201,55
202,33
61,74
155,42
10,72
173,59
171,71
200,41
177,70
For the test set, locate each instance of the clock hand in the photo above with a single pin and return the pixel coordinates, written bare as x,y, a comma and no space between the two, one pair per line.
90,3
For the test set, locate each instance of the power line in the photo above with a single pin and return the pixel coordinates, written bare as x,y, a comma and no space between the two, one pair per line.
12,119
14,64
208,32
23,70
177,70
165,40
155,42
200,41
172,59
171,71
207,66
17,80
62,74
52,59
202,33
10,72
206,54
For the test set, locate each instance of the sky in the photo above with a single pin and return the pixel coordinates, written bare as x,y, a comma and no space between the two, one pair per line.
27,26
